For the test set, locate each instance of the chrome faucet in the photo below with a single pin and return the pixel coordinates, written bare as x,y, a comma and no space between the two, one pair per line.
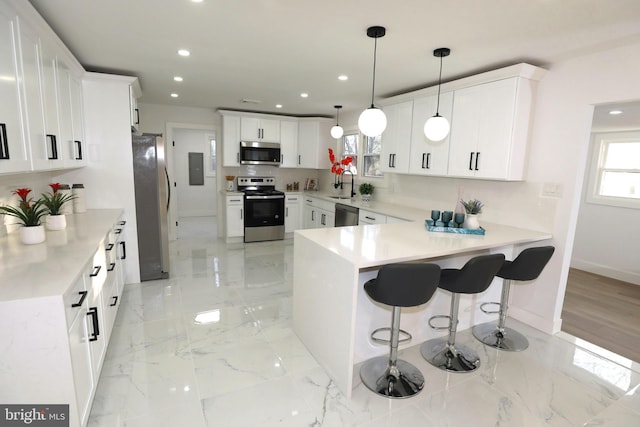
353,193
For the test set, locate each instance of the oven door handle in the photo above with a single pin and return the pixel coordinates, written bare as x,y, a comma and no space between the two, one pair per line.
263,197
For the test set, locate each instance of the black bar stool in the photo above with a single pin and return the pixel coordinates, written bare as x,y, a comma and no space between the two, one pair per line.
398,285
473,278
527,266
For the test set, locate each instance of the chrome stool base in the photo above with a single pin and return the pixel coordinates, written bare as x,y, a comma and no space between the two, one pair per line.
509,339
456,358
402,380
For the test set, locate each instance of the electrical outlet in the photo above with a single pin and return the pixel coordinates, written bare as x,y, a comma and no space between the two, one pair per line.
551,189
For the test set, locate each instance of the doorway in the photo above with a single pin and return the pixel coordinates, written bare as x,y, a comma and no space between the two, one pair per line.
195,184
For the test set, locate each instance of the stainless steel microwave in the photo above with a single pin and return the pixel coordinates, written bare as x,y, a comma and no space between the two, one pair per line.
259,153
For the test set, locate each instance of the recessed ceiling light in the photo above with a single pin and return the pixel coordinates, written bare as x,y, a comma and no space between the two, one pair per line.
615,112
278,105
178,79
304,95
174,95
184,52
197,1
343,77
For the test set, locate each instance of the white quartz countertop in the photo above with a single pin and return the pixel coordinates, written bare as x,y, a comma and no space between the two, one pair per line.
398,211
375,245
49,268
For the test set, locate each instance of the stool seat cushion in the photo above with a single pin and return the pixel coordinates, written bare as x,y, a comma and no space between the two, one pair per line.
404,284
528,265
474,277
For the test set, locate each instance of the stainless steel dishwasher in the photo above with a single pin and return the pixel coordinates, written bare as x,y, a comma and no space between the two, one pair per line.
346,215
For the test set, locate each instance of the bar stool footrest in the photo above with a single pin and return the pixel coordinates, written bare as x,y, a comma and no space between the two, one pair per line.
490,311
405,336
439,316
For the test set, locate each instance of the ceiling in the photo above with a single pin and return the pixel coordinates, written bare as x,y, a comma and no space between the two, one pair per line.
272,50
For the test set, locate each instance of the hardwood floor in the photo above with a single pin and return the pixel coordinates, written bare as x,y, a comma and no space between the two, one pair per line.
603,311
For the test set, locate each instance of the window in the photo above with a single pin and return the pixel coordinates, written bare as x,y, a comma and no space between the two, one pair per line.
211,170
371,156
350,148
615,172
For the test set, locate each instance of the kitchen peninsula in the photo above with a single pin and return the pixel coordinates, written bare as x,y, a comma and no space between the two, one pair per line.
333,316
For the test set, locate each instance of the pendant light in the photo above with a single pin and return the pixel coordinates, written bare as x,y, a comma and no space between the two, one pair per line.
437,127
372,121
337,131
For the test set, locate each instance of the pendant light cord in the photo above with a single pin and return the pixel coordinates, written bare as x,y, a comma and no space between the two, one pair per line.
439,84
373,86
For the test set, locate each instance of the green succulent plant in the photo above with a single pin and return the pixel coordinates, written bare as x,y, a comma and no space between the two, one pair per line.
366,188
473,206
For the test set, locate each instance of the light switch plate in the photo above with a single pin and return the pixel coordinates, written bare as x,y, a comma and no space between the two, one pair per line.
551,189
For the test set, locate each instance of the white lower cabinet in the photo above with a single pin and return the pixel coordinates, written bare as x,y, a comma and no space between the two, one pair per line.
318,213
368,217
235,215
292,213
54,345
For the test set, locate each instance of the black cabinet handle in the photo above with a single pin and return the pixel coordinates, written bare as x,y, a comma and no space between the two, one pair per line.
389,164
111,266
286,210
428,160
477,157
470,161
4,144
95,271
137,122
93,312
424,155
299,159
124,250
109,247
115,301
118,230
83,296
53,144
281,158
79,145
122,223
370,218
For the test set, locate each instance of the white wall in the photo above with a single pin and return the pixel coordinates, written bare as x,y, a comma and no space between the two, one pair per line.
193,200
607,238
558,150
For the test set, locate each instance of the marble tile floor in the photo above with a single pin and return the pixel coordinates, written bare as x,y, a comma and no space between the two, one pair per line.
213,346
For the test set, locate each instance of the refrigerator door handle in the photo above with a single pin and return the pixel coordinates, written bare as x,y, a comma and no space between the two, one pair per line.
166,173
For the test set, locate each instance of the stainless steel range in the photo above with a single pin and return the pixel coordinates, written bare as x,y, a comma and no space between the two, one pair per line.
263,208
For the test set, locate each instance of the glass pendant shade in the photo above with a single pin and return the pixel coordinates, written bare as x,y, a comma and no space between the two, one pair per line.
436,128
337,132
372,122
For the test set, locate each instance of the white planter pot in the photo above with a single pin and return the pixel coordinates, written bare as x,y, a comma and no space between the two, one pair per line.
56,222
32,235
471,222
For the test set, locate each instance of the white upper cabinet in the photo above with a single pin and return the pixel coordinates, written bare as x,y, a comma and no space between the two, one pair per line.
314,141
288,143
49,82
490,128
429,157
259,129
230,140
14,150
396,139
33,111
77,122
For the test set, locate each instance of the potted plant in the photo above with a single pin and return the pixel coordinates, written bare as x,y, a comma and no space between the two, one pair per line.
472,207
54,201
29,212
338,167
366,190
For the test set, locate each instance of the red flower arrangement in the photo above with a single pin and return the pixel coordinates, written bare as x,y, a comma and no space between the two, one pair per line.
55,200
29,212
338,167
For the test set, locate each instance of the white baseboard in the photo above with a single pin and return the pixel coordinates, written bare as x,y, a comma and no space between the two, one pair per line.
603,270
549,326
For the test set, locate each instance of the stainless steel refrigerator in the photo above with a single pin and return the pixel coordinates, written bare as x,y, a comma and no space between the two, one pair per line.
153,195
